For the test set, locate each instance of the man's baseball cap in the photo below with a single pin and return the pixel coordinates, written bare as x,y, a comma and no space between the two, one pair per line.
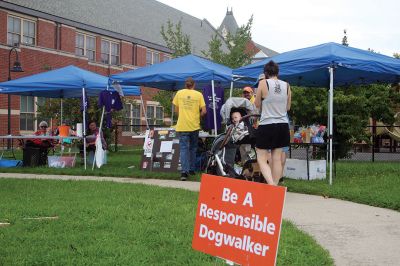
248,89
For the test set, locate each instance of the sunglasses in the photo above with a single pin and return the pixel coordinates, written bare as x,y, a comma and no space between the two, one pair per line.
43,127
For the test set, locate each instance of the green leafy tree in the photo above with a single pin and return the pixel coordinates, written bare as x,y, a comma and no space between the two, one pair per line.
309,105
353,106
72,114
175,39
180,44
237,53
396,55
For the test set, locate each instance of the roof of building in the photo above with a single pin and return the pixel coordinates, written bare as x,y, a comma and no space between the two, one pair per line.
141,19
266,50
229,23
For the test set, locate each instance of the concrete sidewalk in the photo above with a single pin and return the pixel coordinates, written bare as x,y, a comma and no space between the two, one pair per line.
354,234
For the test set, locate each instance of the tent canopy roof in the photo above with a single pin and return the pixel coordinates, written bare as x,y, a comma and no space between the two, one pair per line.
309,66
65,82
171,74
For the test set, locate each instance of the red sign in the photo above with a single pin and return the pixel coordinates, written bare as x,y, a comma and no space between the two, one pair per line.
239,220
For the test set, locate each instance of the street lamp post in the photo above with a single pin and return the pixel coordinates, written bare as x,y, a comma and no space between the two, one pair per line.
16,68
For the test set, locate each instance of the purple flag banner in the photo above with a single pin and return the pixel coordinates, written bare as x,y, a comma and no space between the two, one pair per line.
219,101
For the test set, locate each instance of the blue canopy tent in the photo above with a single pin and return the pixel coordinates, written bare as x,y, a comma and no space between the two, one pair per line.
132,91
66,82
171,75
329,64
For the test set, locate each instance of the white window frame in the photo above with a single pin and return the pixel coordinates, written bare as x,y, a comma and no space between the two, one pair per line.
21,31
109,53
167,57
133,120
153,119
35,115
162,113
85,48
153,55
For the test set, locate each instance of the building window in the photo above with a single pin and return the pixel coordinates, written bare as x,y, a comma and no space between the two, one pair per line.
167,57
40,101
155,115
20,30
150,114
91,48
149,58
85,45
114,53
131,117
110,52
159,115
29,116
80,44
152,58
27,113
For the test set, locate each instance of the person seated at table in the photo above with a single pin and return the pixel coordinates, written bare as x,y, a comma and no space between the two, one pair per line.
91,136
64,131
43,144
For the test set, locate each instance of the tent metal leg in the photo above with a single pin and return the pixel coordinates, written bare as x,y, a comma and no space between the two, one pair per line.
330,123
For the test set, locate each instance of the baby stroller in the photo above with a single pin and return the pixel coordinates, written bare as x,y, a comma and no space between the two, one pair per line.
221,157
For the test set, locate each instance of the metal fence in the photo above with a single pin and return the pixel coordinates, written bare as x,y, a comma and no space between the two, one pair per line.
383,145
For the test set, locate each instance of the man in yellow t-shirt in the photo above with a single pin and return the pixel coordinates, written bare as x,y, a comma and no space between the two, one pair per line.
190,105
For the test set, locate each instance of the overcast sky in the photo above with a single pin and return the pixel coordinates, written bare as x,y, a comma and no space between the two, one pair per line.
285,25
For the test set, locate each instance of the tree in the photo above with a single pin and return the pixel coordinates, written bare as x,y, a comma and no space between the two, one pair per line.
175,39
180,44
353,106
396,55
238,53
72,113
344,39
236,56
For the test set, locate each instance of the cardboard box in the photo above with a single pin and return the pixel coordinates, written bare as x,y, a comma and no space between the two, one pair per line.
297,169
61,161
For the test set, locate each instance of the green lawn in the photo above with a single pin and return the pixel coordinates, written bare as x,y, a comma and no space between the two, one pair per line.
376,184
105,223
118,163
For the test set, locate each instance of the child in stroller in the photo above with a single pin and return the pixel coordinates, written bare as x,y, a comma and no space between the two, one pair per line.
238,114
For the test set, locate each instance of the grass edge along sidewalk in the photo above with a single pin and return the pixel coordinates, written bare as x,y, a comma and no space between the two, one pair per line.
111,223
374,184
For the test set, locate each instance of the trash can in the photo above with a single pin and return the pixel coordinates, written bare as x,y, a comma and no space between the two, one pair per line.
31,156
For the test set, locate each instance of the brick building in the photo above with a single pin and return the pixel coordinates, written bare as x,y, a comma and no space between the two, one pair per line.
105,37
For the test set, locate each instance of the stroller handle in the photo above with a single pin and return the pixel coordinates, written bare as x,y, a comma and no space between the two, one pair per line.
250,115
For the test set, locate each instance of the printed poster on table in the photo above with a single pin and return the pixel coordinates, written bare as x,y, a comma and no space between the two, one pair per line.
161,150
148,143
